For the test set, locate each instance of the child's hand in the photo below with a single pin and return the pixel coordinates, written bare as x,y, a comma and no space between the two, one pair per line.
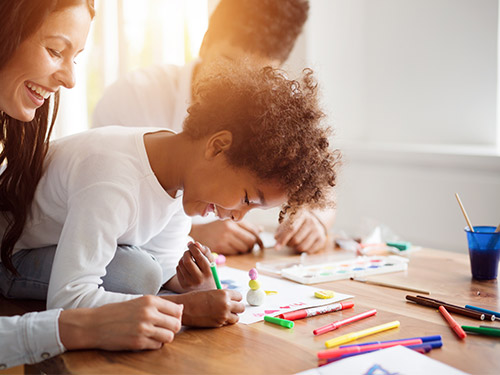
193,270
210,308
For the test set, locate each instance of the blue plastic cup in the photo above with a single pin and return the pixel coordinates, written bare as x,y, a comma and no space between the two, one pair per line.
484,252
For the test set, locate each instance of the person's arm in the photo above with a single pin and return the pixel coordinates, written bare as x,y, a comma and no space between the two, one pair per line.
308,232
209,308
143,323
30,338
228,237
97,216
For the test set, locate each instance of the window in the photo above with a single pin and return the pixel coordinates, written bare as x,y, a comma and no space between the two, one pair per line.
126,35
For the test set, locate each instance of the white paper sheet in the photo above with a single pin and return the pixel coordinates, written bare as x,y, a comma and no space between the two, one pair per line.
290,297
396,360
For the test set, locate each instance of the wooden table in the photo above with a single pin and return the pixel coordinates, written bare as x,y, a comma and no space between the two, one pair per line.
264,348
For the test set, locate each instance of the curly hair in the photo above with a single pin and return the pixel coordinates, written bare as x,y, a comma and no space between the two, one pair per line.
267,28
23,144
277,128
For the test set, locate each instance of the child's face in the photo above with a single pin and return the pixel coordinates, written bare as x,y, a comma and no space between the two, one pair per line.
229,192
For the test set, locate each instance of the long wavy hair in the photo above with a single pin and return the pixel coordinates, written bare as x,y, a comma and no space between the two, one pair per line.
23,144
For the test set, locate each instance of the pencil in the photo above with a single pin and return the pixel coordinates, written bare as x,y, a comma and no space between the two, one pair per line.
213,267
393,286
457,310
465,213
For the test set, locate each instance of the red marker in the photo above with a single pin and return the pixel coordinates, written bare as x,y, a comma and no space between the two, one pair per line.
300,314
339,323
453,324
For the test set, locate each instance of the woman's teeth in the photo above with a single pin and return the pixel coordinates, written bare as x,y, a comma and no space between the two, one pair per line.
215,211
43,93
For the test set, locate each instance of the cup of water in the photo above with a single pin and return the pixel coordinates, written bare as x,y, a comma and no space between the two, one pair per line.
484,252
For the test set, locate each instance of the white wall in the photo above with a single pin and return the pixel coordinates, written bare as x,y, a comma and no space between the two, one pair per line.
411,89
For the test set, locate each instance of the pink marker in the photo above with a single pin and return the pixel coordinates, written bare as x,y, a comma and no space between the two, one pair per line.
339,352
340,323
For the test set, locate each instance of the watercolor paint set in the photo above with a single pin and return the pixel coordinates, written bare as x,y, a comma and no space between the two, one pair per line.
345,269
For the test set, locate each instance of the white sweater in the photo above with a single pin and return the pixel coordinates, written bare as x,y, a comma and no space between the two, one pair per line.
99,191
155,96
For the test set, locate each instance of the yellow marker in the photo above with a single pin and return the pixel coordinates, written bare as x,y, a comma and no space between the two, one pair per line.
324,294
270,292
341,340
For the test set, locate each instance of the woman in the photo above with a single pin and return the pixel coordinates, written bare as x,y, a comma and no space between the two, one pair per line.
39,41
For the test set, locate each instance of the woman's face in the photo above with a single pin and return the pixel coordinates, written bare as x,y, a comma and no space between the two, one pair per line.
44,62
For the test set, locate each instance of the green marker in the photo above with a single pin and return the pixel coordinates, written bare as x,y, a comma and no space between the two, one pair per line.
400,245
213,267
482,330
281,322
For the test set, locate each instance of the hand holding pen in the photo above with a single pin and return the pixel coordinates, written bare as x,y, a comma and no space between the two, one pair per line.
193,270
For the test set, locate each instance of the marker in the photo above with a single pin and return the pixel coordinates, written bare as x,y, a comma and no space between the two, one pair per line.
449,307
339,323
281,322
356,335
452,323
483,310
483,330
423,338
213,267
424,347
424,301
306,313
431,344
490,327
335,353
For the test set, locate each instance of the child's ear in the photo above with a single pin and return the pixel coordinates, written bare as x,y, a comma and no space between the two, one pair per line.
217,143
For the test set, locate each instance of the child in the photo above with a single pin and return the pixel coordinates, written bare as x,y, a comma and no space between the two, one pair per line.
112,198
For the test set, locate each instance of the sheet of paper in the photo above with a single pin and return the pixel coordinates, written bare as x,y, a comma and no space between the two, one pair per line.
290,296
396,360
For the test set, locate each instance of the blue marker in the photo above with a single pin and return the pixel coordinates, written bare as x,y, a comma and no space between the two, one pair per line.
426,346
483,310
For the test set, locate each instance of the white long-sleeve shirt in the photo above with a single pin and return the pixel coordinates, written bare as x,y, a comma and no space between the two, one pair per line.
99,191
30,338
158,95
155,96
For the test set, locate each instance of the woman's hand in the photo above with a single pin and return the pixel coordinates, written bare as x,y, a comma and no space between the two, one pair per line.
143,323
210,308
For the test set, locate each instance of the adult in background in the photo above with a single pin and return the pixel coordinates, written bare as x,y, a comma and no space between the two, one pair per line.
266,31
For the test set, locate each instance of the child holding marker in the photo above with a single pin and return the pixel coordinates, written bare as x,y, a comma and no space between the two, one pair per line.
106,222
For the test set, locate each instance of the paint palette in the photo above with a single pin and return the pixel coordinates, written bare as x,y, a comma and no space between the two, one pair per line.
355,267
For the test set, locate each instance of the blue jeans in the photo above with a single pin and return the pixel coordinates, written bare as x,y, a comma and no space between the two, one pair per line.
131,271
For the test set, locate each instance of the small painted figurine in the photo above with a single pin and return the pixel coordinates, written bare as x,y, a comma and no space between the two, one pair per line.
256,294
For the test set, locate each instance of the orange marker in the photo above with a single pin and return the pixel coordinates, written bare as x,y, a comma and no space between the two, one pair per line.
453,324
